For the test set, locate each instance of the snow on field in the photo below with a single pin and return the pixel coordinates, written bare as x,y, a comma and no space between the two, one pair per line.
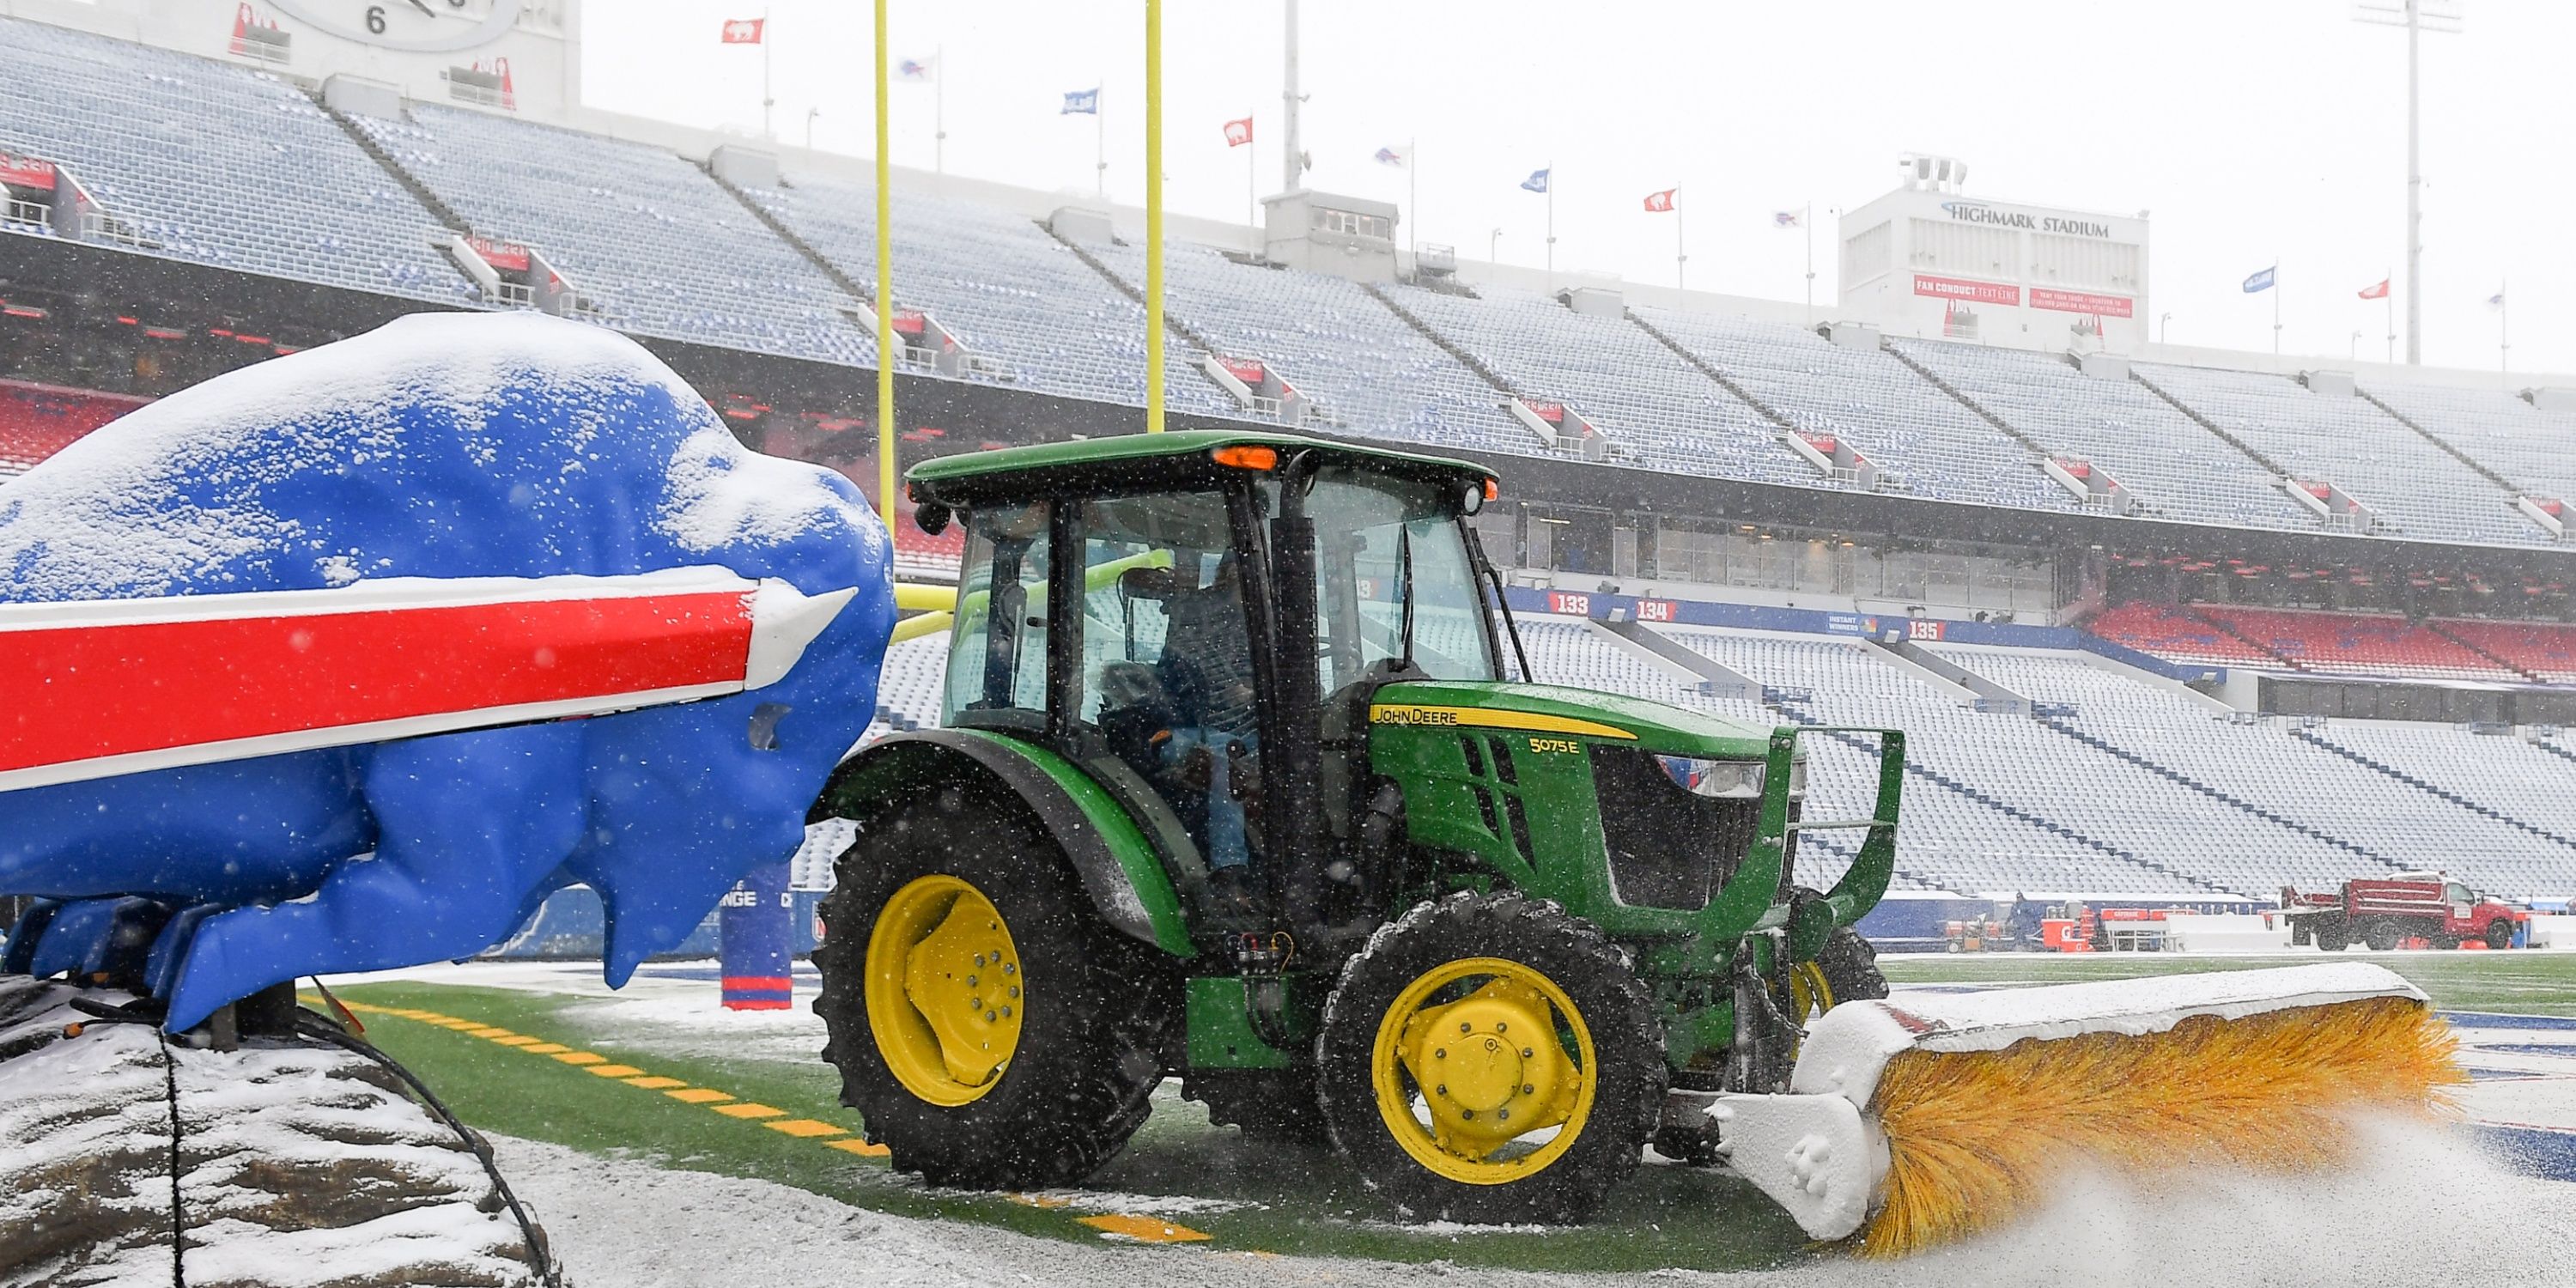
2420,1202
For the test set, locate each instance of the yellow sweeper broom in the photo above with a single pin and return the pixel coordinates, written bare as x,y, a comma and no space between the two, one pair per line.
1917,1121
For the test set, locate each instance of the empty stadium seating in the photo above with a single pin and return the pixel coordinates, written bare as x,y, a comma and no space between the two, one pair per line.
2542,651
2369,822
651,239
1006,287
1655,408
2354,644
2417,489
1897,419
1333,341
2533,449
221,165
2174,633
2176,468
37,421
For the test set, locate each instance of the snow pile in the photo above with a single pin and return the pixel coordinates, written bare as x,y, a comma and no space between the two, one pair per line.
295,1166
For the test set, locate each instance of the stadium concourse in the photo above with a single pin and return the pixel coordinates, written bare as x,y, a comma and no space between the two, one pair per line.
2182,629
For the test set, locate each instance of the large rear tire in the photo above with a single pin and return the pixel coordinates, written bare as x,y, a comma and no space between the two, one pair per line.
2499,933
2333,936
990,1028
2381,935
1491,1059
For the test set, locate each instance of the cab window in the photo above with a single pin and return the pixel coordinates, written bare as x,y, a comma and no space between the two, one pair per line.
997,647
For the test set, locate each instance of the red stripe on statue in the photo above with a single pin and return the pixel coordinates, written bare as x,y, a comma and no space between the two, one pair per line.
107,689
775,983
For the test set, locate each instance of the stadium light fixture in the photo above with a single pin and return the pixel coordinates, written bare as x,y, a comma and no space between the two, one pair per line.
2417,17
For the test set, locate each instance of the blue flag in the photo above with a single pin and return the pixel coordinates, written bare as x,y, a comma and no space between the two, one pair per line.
2261,281
1081,102
1537,182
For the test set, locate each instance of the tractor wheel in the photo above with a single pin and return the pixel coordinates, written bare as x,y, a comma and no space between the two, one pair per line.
1276,1107
992,1031
2333,936
2499,933
2380,936
1847,969
1490,1059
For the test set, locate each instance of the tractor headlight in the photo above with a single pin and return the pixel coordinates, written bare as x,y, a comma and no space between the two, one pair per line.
1727,779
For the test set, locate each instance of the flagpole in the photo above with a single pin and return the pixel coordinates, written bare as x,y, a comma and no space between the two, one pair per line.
2389,298
1153,216
1413,198
2276,314
1807,221
939,109
1100,137
765,100
1251,185
1681,253
1551,224
2504,304
885,273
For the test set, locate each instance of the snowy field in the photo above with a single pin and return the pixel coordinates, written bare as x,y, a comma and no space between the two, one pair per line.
674,1210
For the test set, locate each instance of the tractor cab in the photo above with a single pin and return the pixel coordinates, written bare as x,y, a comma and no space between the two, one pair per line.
1200,624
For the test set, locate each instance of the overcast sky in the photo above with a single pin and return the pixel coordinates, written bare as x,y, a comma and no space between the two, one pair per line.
2253,131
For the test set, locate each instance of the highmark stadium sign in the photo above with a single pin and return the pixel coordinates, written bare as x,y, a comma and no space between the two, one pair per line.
1979,213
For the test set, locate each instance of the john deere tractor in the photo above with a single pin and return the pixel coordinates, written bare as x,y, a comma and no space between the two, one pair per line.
1232,785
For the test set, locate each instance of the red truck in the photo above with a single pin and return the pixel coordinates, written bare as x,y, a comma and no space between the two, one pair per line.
2411,905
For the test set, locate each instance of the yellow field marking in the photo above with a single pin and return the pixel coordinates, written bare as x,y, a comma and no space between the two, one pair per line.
804,1128
1144,1229
545,1048
862,1148
1048,1202
491,1033
697,1096
748,1109
655,1083
582,1057
612,1070
517,1040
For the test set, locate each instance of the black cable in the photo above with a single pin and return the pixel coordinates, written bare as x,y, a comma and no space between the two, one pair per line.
178,1214
308,1024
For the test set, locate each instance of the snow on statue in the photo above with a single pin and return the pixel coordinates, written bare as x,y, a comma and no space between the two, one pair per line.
444,459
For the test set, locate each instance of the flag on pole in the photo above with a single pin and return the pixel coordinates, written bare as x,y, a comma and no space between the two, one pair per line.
1537,182
1788,219
2379,292
1401,158
743,31
1238,133
1659,202
923,70
2261,281
1081,102
2496,301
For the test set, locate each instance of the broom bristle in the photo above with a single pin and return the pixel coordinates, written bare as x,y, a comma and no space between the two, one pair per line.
1974,1138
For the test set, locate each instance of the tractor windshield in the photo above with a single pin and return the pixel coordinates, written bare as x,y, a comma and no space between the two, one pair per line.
1392,578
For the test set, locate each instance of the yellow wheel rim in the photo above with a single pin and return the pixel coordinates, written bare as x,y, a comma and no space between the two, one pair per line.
1484,1071
943,988
1810,993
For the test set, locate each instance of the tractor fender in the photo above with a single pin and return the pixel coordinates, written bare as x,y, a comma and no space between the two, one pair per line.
1118,866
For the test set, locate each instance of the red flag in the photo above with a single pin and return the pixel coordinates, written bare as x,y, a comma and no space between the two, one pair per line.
1658,202
2379,292
1238,133
743,31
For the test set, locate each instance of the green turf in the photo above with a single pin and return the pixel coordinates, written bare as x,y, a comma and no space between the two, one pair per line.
1308,1201
1298,1200
2521,982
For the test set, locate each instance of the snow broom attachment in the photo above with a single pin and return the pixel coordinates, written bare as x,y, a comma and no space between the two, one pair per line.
1970,1104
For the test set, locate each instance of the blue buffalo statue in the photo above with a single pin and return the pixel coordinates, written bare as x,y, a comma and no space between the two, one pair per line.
445,446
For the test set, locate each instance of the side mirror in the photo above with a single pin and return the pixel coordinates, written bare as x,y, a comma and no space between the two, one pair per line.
931,517
1471,498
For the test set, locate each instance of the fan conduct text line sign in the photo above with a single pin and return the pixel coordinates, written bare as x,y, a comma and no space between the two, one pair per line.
117,686
1960,288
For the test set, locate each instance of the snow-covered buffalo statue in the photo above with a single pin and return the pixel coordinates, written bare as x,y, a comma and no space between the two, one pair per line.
440,446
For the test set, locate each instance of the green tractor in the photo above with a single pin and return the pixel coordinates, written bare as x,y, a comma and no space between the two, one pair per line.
1231,786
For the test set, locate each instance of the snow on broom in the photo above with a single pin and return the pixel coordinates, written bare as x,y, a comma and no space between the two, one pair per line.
1964,1108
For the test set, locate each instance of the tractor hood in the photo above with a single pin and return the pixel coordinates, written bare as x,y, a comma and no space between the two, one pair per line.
1580,713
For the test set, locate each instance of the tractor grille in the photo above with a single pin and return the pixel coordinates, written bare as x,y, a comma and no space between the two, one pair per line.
1667,847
